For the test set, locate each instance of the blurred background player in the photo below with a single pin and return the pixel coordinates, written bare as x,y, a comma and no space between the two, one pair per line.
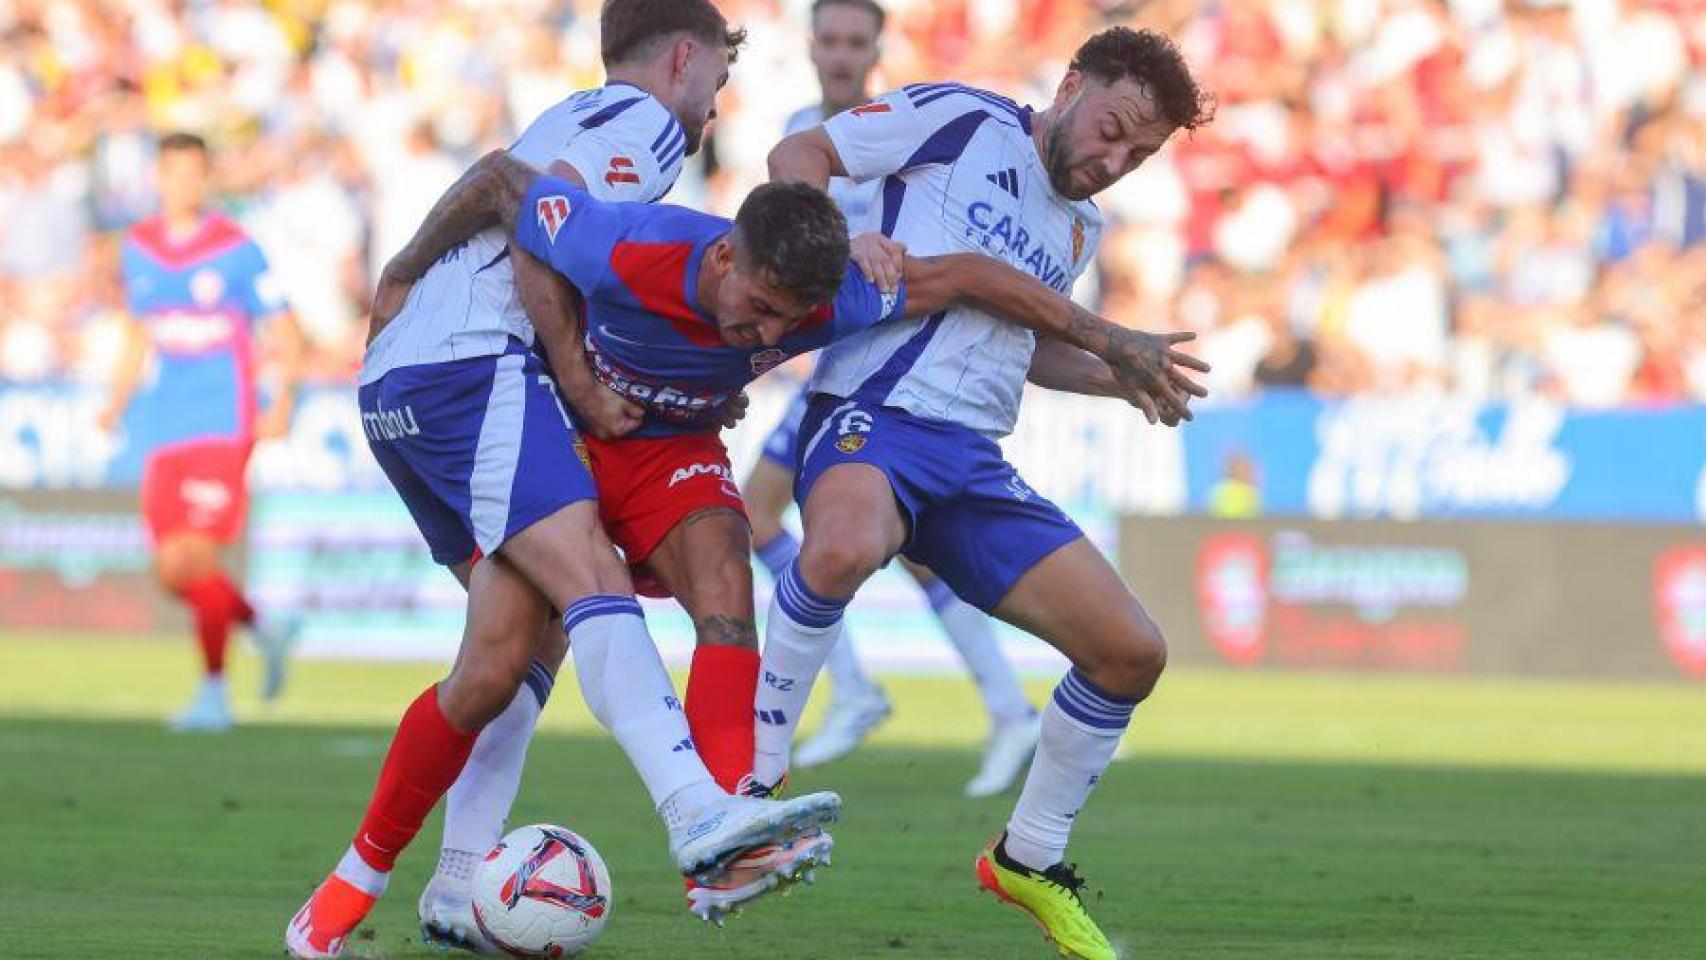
198,292
846,43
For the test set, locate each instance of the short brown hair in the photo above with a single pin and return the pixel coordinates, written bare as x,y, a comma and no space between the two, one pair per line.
795,236
1154,62
182,140
630,30
871,7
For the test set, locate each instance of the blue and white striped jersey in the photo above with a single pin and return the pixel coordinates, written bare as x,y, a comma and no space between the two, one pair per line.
959,172
624,144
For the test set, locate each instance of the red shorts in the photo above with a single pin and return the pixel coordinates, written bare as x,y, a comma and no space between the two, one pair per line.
648,485
197,487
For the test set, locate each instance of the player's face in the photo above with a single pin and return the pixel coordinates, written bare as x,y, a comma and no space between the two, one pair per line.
703,75
844,51
182,181
1101,133
752,311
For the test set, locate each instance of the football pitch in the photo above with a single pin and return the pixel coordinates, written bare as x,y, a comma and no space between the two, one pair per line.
1258,816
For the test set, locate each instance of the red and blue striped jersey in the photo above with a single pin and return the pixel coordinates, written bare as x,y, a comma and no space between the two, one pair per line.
198,299
637,266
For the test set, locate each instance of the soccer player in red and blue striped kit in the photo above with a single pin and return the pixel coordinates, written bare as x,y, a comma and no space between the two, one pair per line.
199,291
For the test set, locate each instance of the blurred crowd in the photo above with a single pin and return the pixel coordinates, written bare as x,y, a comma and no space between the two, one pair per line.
1497,198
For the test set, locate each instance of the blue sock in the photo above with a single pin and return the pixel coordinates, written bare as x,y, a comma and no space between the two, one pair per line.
778,553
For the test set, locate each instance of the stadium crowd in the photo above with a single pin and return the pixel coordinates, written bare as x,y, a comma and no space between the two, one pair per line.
1495,198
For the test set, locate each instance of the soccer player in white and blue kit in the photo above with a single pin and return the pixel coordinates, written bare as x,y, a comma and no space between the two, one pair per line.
899,447
845,46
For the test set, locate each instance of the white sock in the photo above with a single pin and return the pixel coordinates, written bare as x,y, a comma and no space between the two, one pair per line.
355,871
478,804
1081,728
847,674
627,688
969,630
799,633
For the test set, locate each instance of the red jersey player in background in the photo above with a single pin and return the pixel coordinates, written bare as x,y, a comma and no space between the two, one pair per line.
197,290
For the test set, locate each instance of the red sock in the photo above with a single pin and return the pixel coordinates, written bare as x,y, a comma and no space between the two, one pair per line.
720,689
241,612
210,603
425,758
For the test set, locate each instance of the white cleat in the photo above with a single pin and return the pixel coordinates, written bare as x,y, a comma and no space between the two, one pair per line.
447,922
208,712
846,724
275,638
740,824
760,871
1006,757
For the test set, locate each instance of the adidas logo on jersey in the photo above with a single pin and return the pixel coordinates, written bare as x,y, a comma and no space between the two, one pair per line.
1007,180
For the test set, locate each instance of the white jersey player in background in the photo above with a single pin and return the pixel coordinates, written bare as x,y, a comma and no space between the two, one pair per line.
845,47
898,446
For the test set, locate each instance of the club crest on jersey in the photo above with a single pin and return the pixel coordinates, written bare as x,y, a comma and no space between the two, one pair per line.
1077,240
553,212
767,360
851,443
870,108
206,287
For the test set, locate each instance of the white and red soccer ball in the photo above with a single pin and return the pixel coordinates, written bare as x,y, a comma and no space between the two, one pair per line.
543,891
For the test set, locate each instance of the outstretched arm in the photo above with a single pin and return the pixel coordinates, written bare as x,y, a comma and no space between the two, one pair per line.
1148,370
1064,368
808,156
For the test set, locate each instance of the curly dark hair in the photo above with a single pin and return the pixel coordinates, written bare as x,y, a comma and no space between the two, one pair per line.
794,236
1155,62
632,29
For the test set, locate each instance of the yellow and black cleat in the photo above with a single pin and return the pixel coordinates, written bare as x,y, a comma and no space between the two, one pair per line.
1050,897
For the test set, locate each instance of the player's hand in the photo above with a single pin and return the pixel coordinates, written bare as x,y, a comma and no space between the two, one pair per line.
1151,374
109,418
880,259
734,410
603,412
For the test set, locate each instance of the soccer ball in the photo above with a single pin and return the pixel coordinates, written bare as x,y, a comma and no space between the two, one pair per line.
543,891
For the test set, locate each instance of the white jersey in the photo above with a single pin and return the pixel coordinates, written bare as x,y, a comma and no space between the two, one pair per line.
958,172
624,144
857,200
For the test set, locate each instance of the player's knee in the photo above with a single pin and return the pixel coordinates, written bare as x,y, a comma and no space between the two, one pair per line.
1131,662
838,563
480,689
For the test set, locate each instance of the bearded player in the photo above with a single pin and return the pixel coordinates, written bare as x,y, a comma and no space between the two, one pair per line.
899,451
845,47
199,292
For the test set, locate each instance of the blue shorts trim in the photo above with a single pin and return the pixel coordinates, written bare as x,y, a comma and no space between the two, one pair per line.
971,518
479,449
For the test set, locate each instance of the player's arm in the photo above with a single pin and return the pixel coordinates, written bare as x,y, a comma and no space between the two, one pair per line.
1064,368
555,309
809,156
488,194
286,348
889,135
1150,373
133,353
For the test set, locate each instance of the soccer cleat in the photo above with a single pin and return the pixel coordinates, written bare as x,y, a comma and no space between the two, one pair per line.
320,928
274,639
759,871
447,921
208,712
1050,897
739,824
750,787
1006,757
846,724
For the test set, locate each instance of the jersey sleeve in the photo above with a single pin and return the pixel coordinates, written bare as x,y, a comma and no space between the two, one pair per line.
859,305
256,287
571,230
636,155
913,127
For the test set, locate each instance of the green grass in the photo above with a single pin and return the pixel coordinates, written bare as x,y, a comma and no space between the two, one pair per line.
1258,816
